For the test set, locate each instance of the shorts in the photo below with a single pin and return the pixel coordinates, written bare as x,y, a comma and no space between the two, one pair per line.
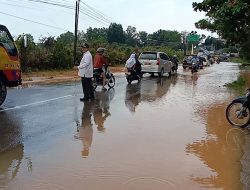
99,70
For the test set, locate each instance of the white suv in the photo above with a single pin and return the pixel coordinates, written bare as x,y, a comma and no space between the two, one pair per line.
155,62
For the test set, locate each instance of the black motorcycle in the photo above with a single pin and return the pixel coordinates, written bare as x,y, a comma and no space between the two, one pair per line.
237,111
98,79
194,67
132,75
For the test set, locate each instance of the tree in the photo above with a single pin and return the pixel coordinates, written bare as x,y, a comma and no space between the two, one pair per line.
213,43
115,33
166,37
96,35
230,19
48,42
61,57
131,36
27,57
143,37
66,38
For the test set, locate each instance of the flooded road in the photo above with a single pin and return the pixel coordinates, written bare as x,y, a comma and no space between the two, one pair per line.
162,134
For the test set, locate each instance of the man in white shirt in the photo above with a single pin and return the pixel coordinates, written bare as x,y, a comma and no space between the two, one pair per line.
86,73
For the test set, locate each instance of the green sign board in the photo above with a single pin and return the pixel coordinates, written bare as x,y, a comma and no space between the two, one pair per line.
193,38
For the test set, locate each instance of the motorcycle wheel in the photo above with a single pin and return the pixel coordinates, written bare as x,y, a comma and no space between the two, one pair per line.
94,84
233,117
111,81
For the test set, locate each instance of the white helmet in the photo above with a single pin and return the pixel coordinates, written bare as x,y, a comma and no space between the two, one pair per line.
100,50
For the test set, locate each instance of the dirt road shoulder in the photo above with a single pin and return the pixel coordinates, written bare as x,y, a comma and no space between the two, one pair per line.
49,77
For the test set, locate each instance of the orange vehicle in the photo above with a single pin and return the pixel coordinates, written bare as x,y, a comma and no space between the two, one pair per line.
10,68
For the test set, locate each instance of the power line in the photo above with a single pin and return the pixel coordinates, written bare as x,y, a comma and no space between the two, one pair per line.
20,6
88,11
96,12
94,17
53,3
58,28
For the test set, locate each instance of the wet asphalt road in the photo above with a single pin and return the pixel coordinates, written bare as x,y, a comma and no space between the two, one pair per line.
164,133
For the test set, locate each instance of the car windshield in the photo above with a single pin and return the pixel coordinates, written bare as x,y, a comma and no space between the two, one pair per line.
148,55
6,41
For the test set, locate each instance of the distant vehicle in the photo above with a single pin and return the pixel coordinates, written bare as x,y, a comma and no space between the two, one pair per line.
187,62
224,57
10,68
155,62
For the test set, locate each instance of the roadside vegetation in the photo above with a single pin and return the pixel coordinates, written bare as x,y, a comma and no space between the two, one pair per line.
56,53
244,62
229,19
238,85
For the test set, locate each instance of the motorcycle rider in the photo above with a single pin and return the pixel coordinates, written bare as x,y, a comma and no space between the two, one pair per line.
195,62
175,61
100,65
134,64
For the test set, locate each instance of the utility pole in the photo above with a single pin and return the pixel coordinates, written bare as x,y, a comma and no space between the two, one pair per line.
76,28
184,41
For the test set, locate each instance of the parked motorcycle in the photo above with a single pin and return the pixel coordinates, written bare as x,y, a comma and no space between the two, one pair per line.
237,112
132,75
98,79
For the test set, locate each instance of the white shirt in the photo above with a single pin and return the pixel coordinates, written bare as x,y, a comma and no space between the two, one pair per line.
86,66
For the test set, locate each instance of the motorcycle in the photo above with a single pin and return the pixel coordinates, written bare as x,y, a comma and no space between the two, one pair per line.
237,112
98,79
132,75
194,67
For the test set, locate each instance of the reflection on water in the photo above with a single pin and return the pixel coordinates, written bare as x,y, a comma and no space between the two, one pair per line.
222,151
148,90
133,96
10,131
85,131
10,162
93,111
11,148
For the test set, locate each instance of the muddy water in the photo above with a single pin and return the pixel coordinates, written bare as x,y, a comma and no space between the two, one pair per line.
168,133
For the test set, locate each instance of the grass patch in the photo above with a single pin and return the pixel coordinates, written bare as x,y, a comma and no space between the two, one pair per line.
238,85
50,73
243,62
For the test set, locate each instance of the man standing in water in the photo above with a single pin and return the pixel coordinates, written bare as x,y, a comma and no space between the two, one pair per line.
86,73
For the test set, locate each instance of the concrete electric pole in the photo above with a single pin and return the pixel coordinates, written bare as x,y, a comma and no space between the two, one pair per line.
76,28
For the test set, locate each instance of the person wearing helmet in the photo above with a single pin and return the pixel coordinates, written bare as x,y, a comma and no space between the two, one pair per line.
99,65
175,62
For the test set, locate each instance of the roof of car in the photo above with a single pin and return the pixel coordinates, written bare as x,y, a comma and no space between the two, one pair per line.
152,52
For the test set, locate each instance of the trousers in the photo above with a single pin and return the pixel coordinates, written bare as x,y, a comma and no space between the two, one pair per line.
87,87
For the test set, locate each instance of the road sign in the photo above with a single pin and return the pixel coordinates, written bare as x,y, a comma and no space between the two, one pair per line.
193,38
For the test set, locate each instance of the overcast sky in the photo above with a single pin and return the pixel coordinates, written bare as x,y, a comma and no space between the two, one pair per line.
23,16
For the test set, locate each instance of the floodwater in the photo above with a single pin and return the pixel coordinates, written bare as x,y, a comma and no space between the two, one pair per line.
162,134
